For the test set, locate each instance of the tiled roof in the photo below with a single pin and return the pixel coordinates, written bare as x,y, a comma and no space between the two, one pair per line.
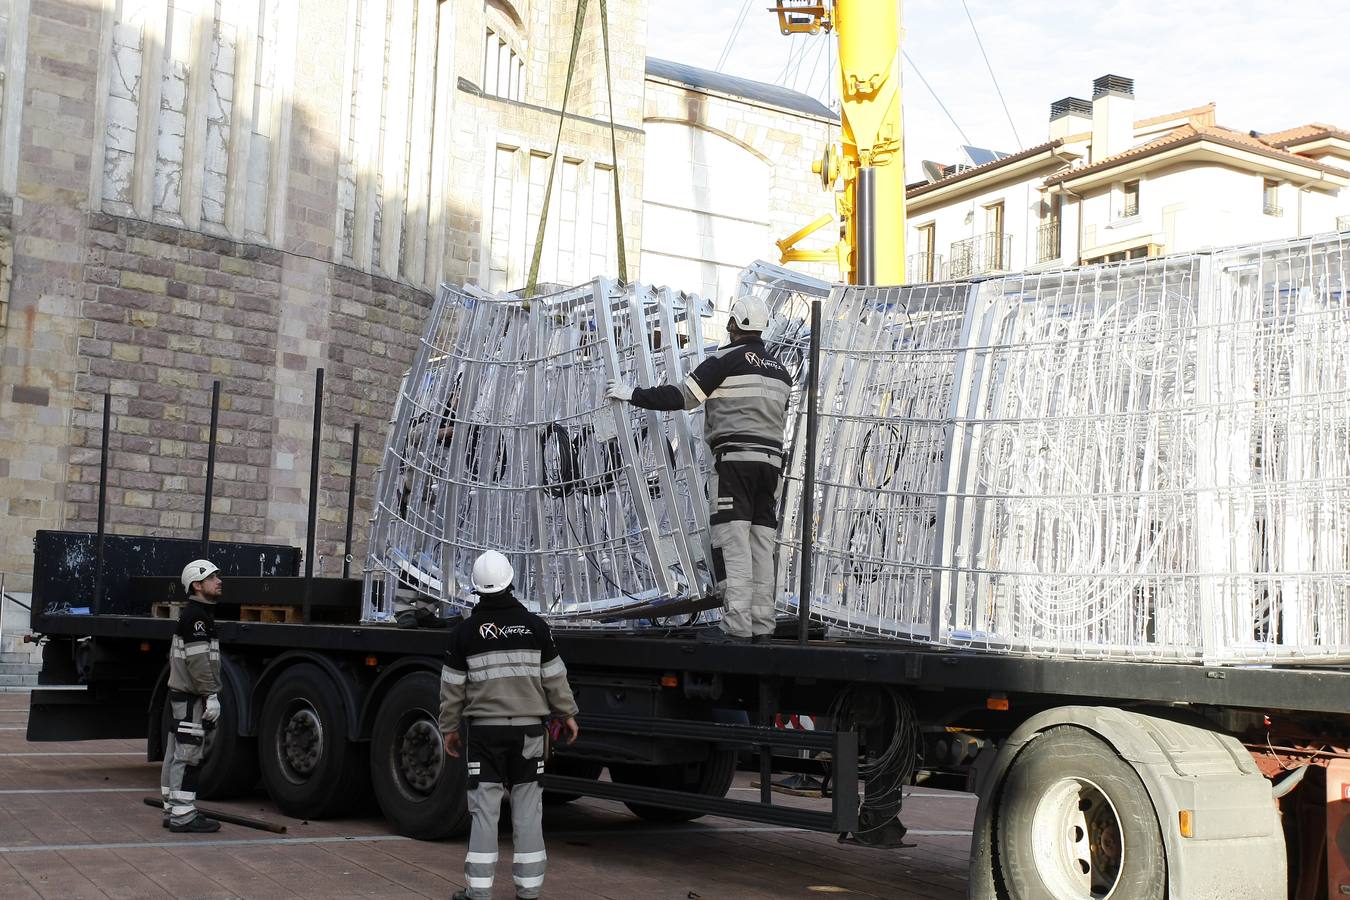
1304,134
1191,134
980,170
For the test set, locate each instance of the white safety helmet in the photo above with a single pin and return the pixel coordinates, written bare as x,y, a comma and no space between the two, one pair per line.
197,570
750,314
492,573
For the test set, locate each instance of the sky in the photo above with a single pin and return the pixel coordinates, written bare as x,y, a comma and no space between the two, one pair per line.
1268,66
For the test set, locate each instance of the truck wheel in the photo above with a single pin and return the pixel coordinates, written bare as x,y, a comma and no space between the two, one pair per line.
576,768
309,767
420,789
1074,821
712,778
229,762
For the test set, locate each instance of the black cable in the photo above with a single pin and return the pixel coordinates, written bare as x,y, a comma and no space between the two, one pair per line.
731,38
892,464
886,775
992,77
940,104
586,555
864,571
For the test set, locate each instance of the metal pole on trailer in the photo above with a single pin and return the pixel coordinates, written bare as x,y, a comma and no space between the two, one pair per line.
809,477
210,470
313,491
351,500
97,604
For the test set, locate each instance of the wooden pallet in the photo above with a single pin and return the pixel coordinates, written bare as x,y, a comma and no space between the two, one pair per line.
165,610
271,614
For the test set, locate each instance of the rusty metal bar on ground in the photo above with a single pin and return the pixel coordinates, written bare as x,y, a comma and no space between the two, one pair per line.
231,818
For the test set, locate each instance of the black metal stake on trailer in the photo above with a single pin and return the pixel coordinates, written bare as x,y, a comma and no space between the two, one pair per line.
210,470
97,604
351,501
313,491
809,476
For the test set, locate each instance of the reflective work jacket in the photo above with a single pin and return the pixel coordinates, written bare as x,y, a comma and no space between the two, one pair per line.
194,653
744,390
502,663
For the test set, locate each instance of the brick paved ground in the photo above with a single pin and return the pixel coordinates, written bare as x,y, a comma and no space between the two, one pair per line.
72,825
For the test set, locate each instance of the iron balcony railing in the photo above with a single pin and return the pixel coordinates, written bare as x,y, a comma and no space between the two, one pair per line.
1047,241
980,255
923,267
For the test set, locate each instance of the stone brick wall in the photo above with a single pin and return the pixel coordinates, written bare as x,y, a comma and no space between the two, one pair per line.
165,312
150,264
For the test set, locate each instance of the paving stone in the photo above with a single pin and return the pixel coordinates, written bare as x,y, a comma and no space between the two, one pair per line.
596,849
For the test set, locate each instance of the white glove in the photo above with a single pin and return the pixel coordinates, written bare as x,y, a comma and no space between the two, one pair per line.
212,711
618,391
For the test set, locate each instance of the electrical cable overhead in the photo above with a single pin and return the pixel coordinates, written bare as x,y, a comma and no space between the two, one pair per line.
790,65
815,66
992,77
940,104
820,56
732,35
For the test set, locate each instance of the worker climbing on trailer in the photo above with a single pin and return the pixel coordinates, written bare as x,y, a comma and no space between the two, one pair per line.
503,676
745,388
194,683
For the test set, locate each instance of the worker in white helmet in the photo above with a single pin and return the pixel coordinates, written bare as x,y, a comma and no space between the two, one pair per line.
194,702
502,677
744,389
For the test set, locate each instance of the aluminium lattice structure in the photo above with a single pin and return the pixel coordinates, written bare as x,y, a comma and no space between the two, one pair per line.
501,439
1142,460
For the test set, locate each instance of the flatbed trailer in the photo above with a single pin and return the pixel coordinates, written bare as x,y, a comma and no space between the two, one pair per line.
1095,777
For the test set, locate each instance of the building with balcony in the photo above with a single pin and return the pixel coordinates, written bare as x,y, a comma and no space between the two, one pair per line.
1107,186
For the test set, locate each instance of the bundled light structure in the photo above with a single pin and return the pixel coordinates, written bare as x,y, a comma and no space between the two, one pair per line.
501,439
1144,460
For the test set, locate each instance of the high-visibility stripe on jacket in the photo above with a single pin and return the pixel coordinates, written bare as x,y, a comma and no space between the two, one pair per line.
502,663
744,391
194,652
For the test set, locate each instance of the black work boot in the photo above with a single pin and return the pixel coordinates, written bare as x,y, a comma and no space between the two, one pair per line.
761,639
199,824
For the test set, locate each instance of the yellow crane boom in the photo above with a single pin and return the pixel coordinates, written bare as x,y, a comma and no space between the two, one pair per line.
868,161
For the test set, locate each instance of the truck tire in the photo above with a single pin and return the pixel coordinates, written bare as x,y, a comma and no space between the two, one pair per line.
229,763
420,789
1074,821
712,778
309,766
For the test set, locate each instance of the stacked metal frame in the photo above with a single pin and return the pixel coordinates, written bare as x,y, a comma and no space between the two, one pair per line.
501,439
1148,460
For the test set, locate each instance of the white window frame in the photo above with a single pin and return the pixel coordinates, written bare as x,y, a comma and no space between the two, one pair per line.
1119,198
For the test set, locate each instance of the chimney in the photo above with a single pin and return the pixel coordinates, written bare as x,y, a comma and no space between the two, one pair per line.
1112,116
1072,115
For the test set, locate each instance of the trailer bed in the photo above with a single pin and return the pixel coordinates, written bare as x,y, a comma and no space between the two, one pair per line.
1307,688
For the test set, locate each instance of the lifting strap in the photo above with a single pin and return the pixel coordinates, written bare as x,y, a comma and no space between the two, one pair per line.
533,279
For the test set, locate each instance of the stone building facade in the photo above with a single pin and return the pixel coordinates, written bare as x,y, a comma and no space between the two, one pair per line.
245,191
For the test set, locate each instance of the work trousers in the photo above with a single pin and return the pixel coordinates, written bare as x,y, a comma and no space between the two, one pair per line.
744,519
183,751
498,757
